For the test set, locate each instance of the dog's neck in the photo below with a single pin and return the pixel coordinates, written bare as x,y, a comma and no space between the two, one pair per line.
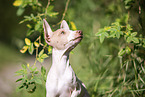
60,60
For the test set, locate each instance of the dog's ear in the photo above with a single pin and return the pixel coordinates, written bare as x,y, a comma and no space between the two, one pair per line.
64,25
47,31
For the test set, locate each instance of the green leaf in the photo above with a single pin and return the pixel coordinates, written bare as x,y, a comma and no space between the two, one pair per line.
24,49
23,66
135,40
20,11
118,34
51,14
40,59
50,8
121,52
31,48
41,52
30,32
44,56
112,34
20,71
20,79
134,34
43,70
129,39
36,72
128,50
129,27
28,18
38,81
32,69
37,26
102,37
99,32
106,34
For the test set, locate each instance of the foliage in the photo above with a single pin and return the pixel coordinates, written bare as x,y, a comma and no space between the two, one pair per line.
129,58
114,55
130,77
30,74
39,46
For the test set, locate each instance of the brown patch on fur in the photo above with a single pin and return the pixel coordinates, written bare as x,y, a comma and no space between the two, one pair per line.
47,39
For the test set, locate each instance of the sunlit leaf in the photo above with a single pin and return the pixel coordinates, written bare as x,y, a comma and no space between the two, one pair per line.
51,14
135,40
44,56
134,33
40,59
121,52
73,26
27,41
36,44
49,49
17,2
106,34
128,50
28,65
129,39
29,26
24,49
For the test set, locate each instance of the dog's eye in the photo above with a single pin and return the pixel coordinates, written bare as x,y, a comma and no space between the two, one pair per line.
62,32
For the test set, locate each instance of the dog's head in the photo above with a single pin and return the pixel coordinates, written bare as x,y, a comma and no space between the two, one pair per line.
63,38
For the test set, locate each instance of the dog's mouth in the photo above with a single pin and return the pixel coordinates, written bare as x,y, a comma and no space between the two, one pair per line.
78,38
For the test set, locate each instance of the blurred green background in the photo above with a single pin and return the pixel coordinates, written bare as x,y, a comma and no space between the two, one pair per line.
96,64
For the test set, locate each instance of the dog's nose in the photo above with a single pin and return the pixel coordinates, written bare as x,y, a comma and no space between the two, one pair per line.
80,32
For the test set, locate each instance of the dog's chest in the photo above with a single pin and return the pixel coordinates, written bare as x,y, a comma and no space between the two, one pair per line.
61,82
67,81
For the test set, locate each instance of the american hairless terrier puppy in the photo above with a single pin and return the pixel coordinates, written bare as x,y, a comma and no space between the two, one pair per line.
61,79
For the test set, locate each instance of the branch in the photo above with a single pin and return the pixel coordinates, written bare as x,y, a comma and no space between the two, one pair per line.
66,7
65,10
47,7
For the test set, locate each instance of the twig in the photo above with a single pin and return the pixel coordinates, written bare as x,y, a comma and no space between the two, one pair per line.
66,7
65,10
47,7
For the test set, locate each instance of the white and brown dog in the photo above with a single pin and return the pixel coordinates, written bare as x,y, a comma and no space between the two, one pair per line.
61,79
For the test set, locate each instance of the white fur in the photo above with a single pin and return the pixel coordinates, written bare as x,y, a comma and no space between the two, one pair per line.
61,79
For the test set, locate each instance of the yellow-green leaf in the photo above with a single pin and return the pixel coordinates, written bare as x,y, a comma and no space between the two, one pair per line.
24,49
44,56
28,65
49,49
31,48
121,52
27,41
73,26
29,26
17,3
128,50
36,44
